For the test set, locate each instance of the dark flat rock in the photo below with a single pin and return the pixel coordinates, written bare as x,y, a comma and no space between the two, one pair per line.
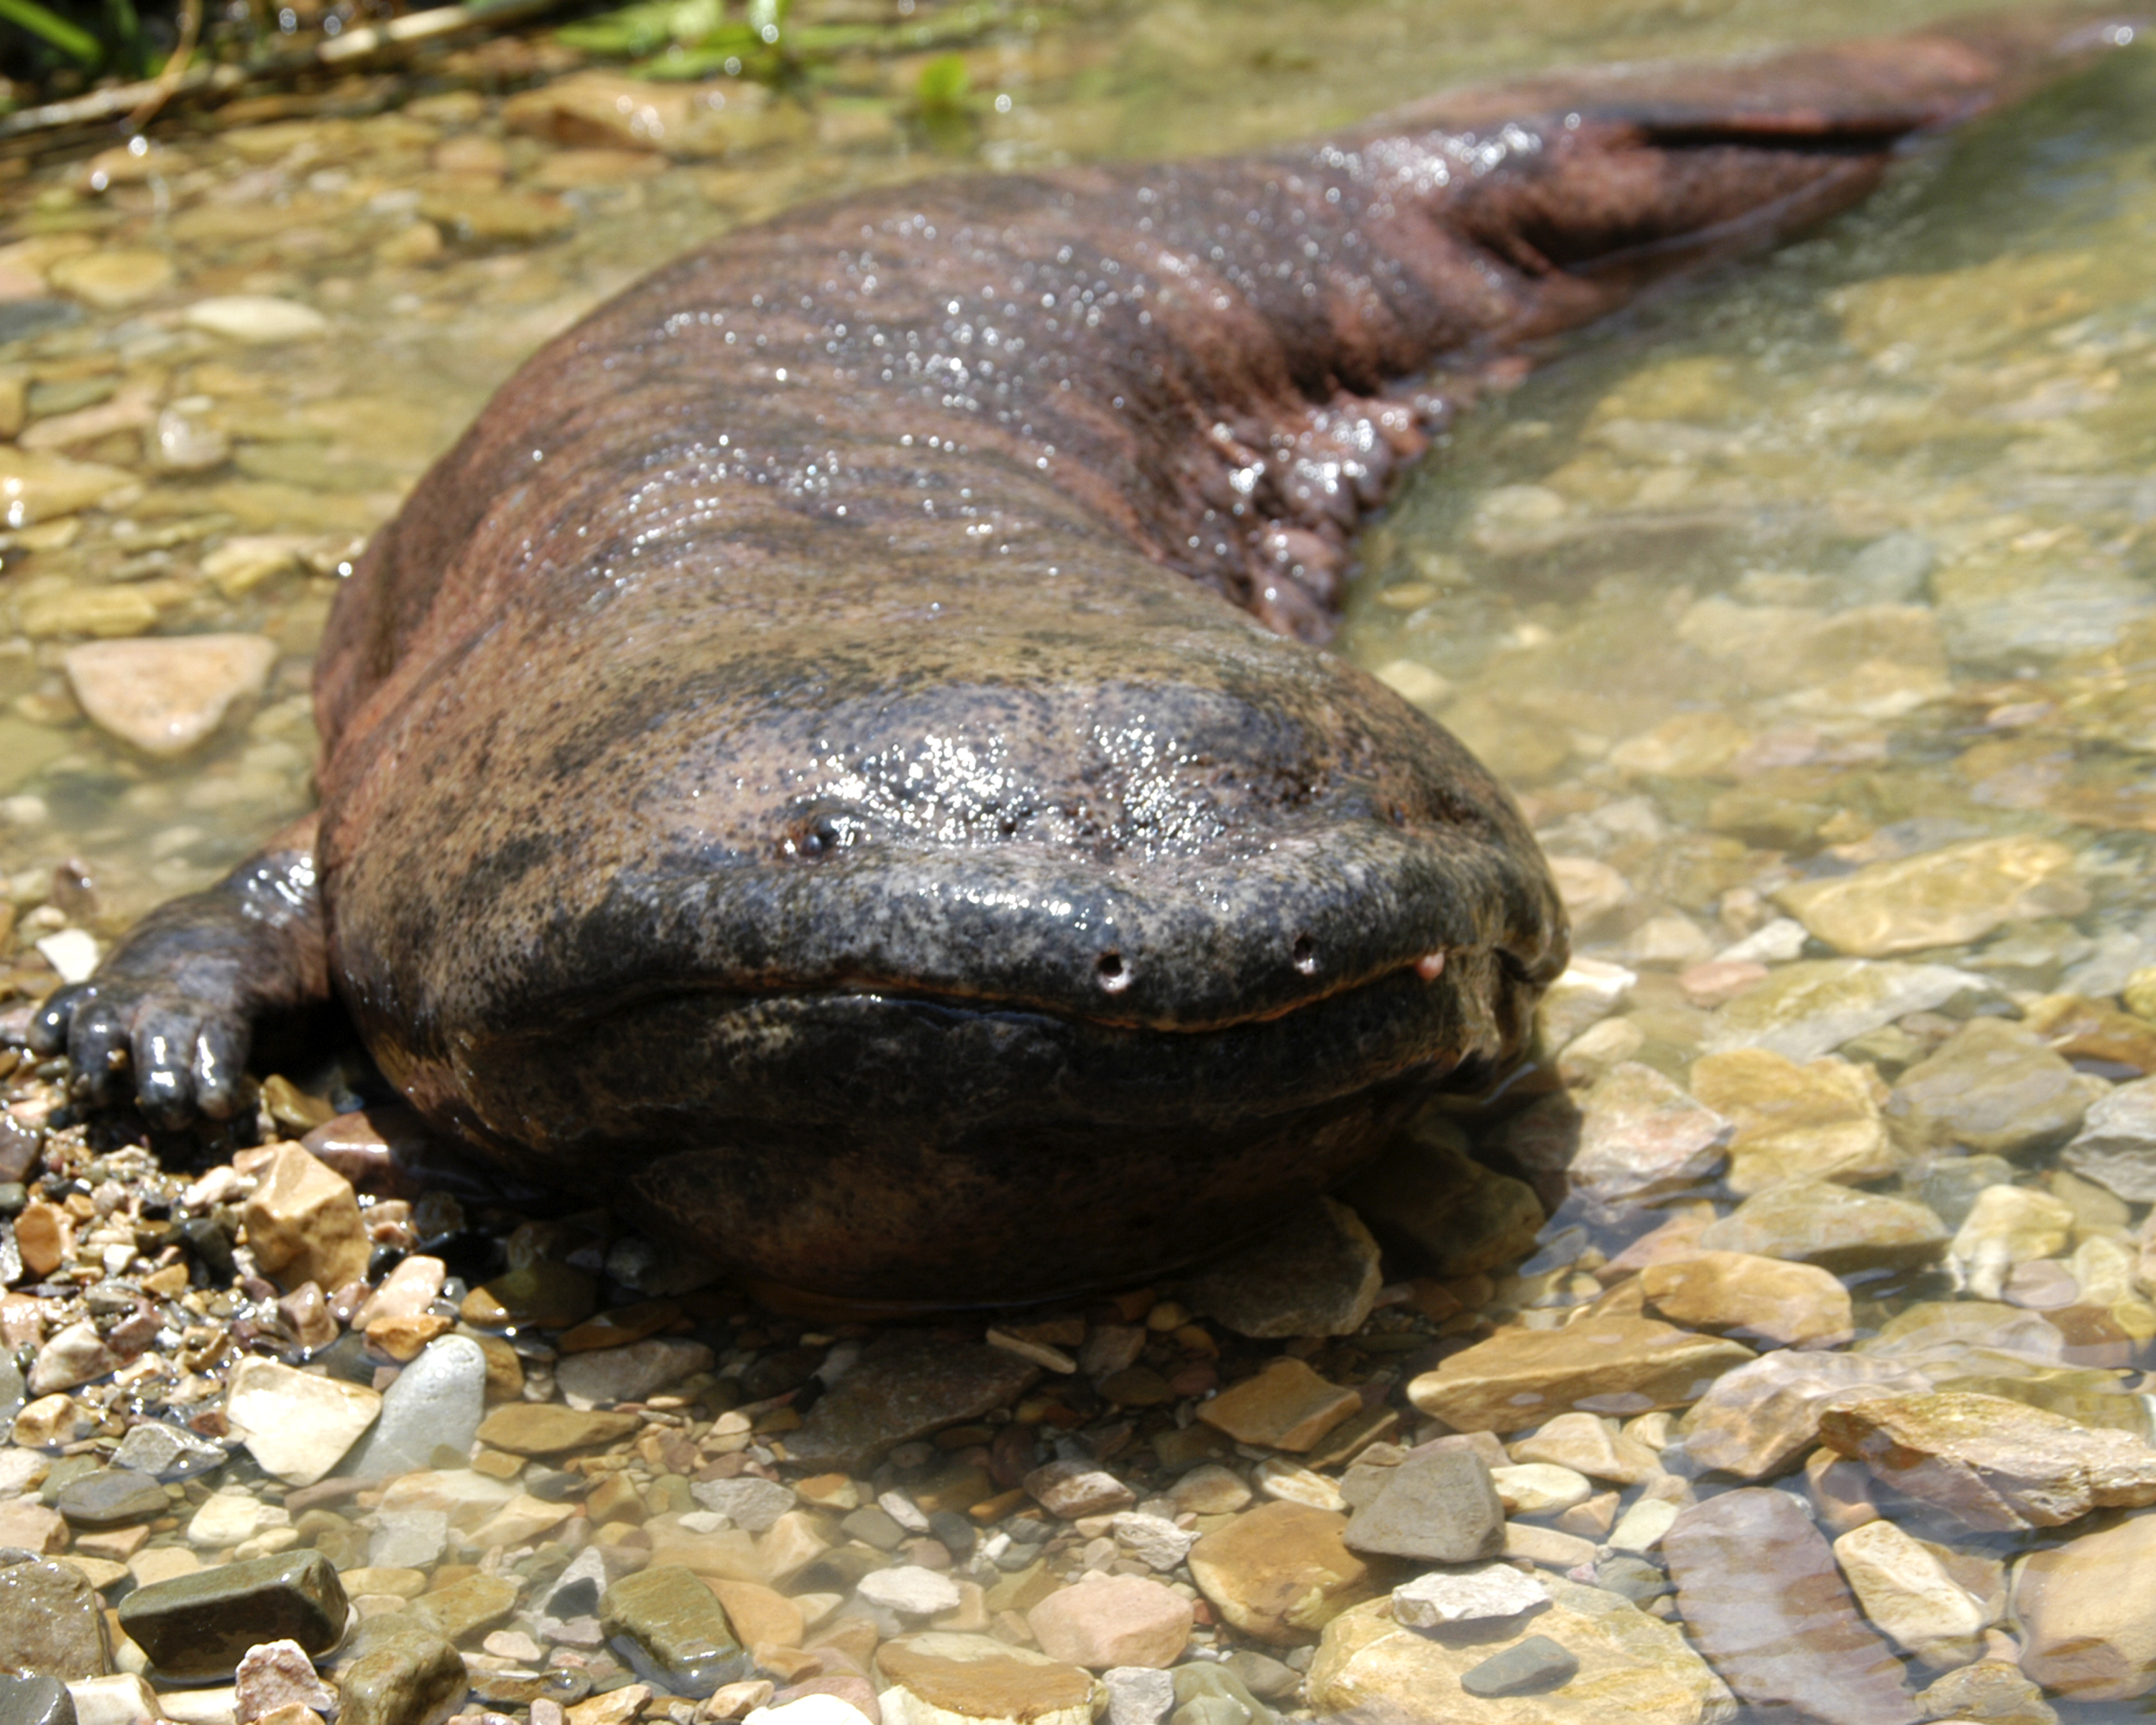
1527,1667
112,1497
905,1391
200,1626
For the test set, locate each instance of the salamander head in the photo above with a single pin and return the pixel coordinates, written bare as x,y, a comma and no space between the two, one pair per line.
856,953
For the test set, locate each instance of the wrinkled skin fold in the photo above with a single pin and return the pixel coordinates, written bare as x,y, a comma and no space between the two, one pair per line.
835,761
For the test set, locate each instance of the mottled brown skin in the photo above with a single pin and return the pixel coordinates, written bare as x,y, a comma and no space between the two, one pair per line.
830,762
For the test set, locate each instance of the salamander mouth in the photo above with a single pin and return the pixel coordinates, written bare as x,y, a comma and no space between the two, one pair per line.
1429,969
933,1131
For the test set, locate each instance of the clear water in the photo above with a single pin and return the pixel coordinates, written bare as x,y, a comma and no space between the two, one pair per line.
1823,443
1832,557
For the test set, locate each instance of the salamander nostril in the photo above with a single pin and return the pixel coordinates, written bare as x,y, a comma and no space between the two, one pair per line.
1109,969
1305,954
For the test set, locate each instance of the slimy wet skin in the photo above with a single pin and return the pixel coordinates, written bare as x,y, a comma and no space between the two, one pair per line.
836,763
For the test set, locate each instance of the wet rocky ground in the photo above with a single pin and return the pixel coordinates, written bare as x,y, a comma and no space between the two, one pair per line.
1778,1339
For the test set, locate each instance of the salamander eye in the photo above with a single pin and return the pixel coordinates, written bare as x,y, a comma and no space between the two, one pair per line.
1305,955
1113,974
813,837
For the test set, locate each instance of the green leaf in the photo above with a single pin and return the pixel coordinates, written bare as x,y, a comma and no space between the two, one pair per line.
53,30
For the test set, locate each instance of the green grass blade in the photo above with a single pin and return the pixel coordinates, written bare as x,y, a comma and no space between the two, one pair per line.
54,31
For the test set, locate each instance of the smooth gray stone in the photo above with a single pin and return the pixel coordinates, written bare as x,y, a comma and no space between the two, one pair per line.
873,1526
112,1497
1525,1668
1440,1507
35,1701
1267,1679
435,1404
13,1396
1636,1578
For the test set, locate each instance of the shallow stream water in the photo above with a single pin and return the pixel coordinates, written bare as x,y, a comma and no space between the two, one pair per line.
1827,562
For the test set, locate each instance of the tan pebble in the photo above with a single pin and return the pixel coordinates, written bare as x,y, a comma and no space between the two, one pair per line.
1547,1546
971,1616
521,1520
617,1706
1277,1477
760,1616
1938,898
829,1490
44,1236
1589,1443
245,561
1716,982
1286,1406
378,1605
545,1429
114,278
1280,1572
168,1283
854,1637
732,1701
50,1422
2090,1613
618,1328
119,1544
402,1583
1752,1298
788,1545
292,1713
1590,1520
404,1339
1210,1489
1999,1465
614,1499
1821,1120
28,1524
1118,1620
161,1563
1053,1359
973,1677
1521,1377
303,1223
1540,1488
